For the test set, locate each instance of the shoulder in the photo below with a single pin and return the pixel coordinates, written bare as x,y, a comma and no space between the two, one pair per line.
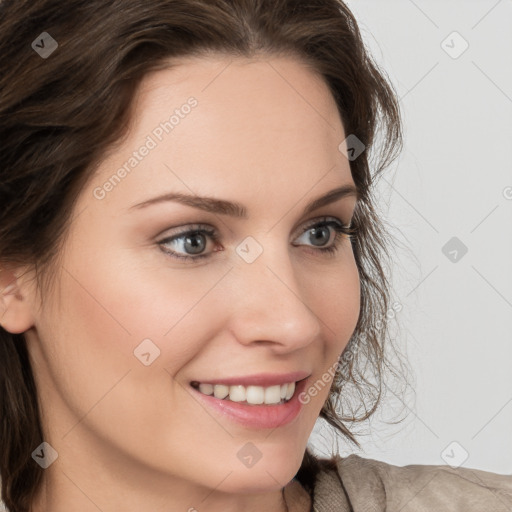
355,483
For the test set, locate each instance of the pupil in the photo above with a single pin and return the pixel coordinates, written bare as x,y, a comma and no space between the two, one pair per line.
316,231
196,247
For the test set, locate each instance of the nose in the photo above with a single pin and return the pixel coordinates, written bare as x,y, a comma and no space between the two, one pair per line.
270,304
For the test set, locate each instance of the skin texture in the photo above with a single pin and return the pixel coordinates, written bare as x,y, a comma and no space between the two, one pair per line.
265,133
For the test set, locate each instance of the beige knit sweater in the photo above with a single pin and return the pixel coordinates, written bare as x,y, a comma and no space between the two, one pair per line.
368,485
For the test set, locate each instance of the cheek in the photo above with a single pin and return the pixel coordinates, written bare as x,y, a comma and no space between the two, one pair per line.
337,303
87,342
108,309
115,303
336,294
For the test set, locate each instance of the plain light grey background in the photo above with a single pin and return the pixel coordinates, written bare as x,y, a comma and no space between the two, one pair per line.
453,179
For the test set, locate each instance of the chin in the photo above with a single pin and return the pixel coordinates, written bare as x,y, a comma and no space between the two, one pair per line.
271,474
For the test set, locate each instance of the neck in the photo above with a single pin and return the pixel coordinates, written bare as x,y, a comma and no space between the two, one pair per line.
296,497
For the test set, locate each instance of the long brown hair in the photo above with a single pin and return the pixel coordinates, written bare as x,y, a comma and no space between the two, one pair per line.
60,114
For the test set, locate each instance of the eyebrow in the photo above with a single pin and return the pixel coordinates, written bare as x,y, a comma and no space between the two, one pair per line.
234,209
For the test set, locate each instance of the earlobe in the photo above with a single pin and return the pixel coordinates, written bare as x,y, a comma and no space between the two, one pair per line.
15,307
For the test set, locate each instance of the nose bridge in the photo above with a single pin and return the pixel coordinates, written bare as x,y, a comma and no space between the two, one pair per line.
270,304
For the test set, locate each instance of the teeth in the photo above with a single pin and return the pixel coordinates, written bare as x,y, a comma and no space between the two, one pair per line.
290,391
207,389
255,395
251,394
273,395
237,393
220,391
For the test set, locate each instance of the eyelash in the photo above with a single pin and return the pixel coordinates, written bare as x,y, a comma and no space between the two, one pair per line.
339,228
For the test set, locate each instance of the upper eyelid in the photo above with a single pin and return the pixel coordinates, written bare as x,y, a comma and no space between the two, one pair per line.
325,218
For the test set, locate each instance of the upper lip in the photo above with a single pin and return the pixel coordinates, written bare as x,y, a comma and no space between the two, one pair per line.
260,379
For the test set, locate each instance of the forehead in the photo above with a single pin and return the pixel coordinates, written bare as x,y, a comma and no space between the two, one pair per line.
234,125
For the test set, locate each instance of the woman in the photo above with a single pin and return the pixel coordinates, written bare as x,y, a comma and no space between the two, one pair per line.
172,322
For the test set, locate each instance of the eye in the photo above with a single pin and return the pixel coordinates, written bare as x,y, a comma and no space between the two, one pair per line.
320,234
192,241
191,244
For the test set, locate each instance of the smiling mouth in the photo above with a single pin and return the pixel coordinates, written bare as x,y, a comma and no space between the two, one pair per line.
250,395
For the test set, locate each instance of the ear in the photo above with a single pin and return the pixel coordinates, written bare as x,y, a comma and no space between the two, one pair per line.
16,314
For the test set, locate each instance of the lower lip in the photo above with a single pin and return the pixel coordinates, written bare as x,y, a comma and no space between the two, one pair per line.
257,416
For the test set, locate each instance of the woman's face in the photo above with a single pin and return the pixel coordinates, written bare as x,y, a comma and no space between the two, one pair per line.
129,325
